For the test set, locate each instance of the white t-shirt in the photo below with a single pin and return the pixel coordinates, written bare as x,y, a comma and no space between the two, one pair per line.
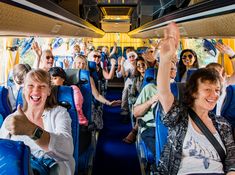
199,155
57,122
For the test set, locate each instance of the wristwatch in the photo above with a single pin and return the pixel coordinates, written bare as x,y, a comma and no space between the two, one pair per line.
37,133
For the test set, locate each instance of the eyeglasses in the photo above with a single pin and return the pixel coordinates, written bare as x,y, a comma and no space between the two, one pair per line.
140,65
48,57
97,56
190,56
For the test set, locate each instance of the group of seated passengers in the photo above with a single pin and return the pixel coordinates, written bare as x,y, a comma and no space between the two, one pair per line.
202,92
40,112
187,150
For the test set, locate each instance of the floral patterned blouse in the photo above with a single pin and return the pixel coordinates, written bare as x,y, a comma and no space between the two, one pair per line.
177,122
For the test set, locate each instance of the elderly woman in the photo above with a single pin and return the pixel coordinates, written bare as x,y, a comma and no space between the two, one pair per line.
102,69
44,59
188,149
41,124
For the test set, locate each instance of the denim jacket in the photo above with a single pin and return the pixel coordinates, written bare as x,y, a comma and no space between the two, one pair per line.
177,122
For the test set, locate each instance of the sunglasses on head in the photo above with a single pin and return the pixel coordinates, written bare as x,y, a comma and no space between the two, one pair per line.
190,56
141,65
48,57
97,56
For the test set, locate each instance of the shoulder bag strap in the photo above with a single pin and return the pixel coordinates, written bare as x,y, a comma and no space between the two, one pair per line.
207,133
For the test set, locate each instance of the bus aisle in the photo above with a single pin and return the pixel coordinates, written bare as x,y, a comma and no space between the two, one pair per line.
113,156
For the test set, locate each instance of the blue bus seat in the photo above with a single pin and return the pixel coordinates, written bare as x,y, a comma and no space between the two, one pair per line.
92,69
59,60
5,109
228,108
161,130
19,99
1,120
15,157
81,78
10,81
150,76
65,99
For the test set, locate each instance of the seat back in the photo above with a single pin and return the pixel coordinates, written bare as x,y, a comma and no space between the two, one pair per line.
228,107
59,60
19,99
93,71
10,81
5,109
1,120
161,130
150,76
15,157
85,87
65,99
81,78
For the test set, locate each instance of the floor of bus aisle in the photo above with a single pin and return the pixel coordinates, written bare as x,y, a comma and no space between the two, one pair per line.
113,156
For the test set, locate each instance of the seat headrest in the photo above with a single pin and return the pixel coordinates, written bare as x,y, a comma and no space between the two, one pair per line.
92,66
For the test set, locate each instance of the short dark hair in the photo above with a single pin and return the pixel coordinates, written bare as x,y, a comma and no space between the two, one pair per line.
57,71
200,75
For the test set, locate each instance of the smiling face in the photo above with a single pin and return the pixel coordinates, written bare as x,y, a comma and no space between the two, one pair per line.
188,59
141,66
207,95
97,57
57,80
36,93
47,60
80,63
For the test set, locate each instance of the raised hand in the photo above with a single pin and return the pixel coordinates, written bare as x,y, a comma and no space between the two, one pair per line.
225,49
66,63
113,62
170,42
37,49
19,124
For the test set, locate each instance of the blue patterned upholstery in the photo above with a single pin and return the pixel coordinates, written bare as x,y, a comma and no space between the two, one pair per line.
5,109
14,157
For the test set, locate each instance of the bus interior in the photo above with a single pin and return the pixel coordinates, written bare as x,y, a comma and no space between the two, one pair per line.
124,24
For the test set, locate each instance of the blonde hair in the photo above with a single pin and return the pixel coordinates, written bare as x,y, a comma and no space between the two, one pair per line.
41,76
82,57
